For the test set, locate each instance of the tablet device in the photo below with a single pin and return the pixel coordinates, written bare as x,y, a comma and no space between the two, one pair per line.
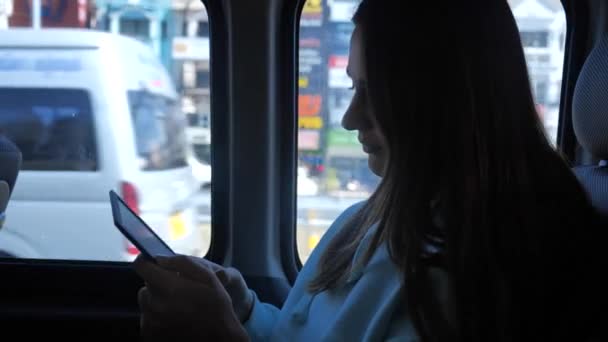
137,231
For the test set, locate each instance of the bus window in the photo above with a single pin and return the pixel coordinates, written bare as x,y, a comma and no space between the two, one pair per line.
542,27
113,96
332,168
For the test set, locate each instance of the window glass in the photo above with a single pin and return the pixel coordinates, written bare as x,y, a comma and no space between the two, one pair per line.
203,29
139,28
332,168
542,26
535,38
333,172
53,128
159,131
118,99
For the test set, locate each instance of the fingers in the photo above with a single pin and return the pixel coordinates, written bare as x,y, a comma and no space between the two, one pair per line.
222,273
145,302
189,268
149,323
150,304
143,298
222,276
210,264
178,274
186,306
159,280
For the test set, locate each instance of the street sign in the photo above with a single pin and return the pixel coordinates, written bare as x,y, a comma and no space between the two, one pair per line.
310,122
191,48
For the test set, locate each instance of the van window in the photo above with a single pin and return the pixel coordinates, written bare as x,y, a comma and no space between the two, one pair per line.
53,128
123,94
333,172
534,39
332,168
159,131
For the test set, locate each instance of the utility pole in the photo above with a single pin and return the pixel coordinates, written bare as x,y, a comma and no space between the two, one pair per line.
37,14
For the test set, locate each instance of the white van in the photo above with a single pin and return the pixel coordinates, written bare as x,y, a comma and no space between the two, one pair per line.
91,112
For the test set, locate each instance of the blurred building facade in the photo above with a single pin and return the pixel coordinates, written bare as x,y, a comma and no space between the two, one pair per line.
542,26
53,13
178,30
190,54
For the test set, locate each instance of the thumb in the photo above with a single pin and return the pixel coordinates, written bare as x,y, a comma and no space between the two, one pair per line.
188,268
222,276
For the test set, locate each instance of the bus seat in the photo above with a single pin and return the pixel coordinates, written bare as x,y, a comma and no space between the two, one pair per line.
590,120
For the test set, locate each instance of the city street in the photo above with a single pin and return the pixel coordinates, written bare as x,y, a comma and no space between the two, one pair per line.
315,215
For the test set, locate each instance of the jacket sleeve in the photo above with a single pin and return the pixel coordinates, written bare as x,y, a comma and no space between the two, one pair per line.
261,320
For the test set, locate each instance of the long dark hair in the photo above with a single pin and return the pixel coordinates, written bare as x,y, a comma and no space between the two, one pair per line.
448,84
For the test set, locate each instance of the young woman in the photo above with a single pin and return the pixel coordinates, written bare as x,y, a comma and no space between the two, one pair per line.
477,232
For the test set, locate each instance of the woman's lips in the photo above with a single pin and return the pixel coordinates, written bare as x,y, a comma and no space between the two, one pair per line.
369,147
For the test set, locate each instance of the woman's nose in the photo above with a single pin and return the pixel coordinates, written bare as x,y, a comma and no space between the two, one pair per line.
348,120
355,119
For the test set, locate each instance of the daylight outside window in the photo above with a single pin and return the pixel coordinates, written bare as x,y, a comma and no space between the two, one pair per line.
332,168
103,95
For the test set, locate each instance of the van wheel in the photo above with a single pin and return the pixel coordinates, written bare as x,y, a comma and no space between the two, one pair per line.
6,255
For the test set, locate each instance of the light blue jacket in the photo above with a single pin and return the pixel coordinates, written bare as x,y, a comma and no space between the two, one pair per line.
370,307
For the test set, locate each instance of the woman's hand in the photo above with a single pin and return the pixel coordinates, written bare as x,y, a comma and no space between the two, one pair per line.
183,298
235,285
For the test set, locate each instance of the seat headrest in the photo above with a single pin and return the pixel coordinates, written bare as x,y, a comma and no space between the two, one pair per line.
10,162
590,103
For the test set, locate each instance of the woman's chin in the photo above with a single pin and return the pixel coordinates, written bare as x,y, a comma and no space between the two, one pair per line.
376,163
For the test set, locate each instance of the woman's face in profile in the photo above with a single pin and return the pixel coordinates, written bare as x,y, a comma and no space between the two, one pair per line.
359,115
